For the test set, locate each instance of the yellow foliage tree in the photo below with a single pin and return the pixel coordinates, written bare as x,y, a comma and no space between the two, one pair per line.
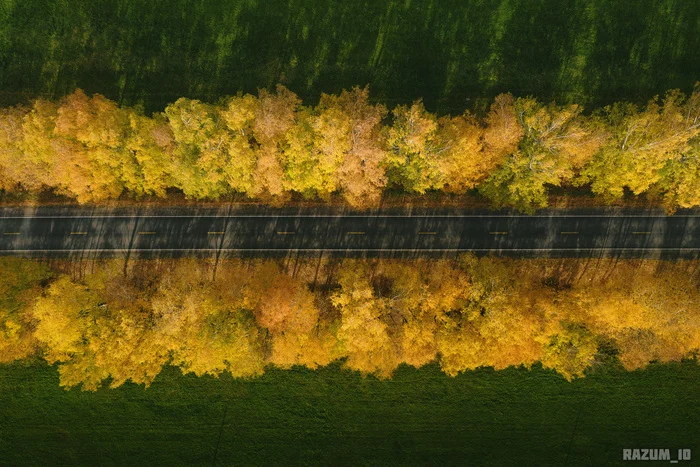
643,143
206,333
363,332
92,161
413,149
570,352
19,280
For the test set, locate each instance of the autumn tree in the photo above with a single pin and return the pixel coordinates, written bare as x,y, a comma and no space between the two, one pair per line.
570,352
199,155
93,163
503,130
13,171
238,165
648,314
413,149
108,327
207,332
274,117
364,333
270,146
462,161
99,330
215,146
495,324
473,149
287,309
556,143
680,179
643,143
152,144
421,295
306,169
354,144
19,286
62,328
38,146
332,141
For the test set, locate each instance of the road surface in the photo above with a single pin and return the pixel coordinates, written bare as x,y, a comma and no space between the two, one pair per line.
60,231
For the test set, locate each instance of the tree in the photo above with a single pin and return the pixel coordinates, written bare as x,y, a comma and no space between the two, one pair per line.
12,164
497,322
557,142
305,170
64,331
643,143
239,115
421,295
472,151
111,327
152,145
412,150
332,141
463,162
200,149
680,179
38,146
649,315
503,130
92,162
360,174
58,316
18,288
99,330
570,352
288,310
274,117
287,306
123,337
207,333
363,333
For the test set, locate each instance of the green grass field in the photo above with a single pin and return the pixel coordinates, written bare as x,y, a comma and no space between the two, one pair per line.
449,52
333,417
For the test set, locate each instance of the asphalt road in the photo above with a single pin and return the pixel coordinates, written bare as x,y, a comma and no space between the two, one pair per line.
185,231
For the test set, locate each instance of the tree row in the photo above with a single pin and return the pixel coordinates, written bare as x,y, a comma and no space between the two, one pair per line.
271,147
113,325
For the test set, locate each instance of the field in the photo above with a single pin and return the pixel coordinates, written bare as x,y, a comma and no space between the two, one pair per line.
452,53
334,417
